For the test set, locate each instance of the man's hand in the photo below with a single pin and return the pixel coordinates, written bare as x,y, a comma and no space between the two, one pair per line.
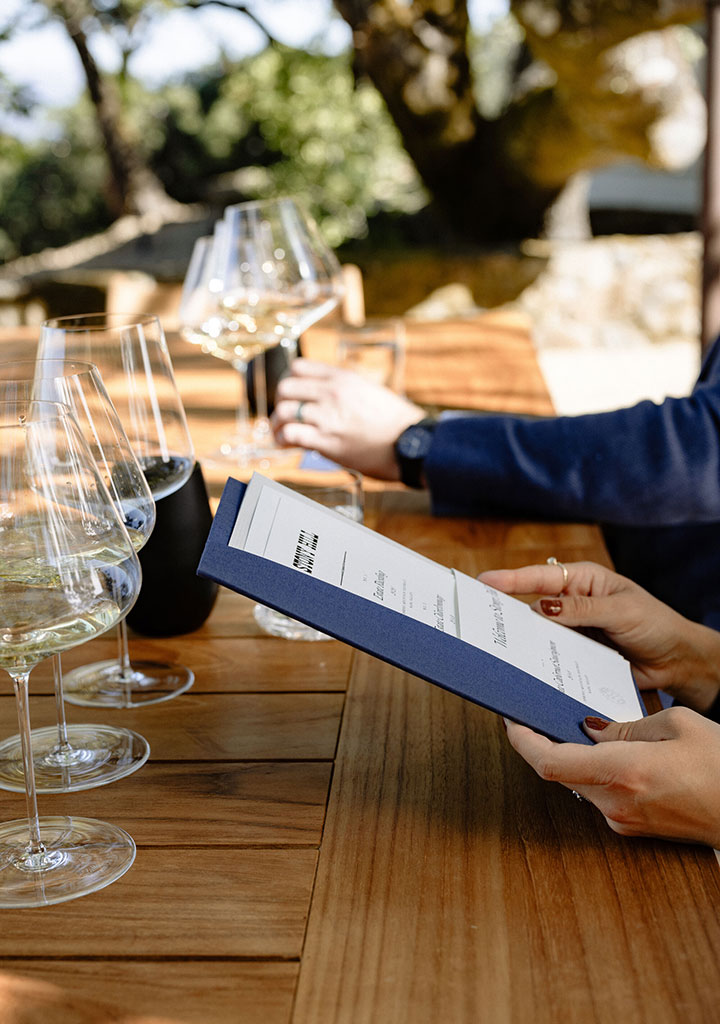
344,417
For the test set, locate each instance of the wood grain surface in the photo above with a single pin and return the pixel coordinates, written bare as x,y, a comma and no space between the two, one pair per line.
323,839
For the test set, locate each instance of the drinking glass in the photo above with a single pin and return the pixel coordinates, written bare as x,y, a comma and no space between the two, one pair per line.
131,354
273,276
338,489
69,572
72,757
375,350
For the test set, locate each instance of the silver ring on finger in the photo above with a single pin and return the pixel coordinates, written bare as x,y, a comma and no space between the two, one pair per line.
299,412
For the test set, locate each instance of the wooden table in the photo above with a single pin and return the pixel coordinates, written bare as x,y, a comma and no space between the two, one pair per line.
324,839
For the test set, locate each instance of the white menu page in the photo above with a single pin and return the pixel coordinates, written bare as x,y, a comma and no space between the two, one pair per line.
285,527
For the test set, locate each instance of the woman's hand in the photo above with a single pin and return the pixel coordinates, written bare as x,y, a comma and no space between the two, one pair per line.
654,777
667,651
345,417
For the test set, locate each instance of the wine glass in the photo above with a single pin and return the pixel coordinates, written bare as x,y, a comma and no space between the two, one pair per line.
204,322
81,756
131,354
273,276
68,573
200,314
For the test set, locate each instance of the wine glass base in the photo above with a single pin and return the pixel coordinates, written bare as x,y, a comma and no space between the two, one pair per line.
278,624
99,754
81,855
101,685
238,455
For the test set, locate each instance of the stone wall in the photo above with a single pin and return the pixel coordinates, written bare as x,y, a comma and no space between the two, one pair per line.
608,292
616,292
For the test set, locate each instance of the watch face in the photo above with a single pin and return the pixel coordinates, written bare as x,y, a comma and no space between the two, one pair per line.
415,442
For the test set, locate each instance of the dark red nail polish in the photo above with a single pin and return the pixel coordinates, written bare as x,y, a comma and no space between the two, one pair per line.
551,606
597,724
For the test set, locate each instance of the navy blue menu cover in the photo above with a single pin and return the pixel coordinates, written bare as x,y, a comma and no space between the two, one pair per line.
417,648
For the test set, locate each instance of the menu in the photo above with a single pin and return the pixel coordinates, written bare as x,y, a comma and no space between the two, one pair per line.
276,523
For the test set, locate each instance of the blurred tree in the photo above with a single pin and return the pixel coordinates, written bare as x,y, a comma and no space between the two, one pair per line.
495,128
133,188
590,83
309,130
50,194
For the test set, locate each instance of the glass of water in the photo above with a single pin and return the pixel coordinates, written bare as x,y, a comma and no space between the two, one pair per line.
339,489
375,350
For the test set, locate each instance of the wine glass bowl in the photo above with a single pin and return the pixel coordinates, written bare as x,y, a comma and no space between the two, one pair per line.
201,317
68,572
131,354
268,275
279,276
132,357
72,757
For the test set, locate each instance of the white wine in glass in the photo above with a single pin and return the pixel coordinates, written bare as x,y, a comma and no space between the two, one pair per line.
131,354
68,572
272,276
81,756
202,319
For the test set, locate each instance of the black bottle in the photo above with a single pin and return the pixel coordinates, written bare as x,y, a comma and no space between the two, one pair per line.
173,598
277,364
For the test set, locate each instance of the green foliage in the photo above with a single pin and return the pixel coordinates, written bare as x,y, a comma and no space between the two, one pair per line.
335,143
51,193
282,122
287,122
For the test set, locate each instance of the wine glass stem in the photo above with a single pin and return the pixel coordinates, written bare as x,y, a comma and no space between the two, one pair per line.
260,384
124,652
242,415
20,683
63,744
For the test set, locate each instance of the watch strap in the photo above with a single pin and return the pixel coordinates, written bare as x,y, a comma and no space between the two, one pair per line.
411,449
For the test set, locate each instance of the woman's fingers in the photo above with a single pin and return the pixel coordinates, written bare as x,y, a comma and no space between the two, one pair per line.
594,597
571,764
655,728
574,764
656,776
612,613
582,578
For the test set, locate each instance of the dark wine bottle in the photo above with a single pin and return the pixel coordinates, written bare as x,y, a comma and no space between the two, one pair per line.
173,598
276,363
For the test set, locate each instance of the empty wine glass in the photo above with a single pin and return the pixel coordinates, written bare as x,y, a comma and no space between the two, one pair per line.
200,314
69,572
272,276
131,354
72,757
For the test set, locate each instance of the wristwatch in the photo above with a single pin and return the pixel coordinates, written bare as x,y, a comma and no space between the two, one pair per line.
411,450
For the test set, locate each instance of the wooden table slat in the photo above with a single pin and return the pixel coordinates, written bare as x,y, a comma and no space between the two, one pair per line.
216,727
205,992
252,664
190,903
206,805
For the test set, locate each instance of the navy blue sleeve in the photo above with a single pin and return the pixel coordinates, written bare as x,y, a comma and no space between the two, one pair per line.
649,465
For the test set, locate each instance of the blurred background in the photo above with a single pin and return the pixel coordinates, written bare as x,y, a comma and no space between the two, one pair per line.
541,155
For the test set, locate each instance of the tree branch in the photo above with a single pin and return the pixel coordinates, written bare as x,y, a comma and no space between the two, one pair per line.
241,9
